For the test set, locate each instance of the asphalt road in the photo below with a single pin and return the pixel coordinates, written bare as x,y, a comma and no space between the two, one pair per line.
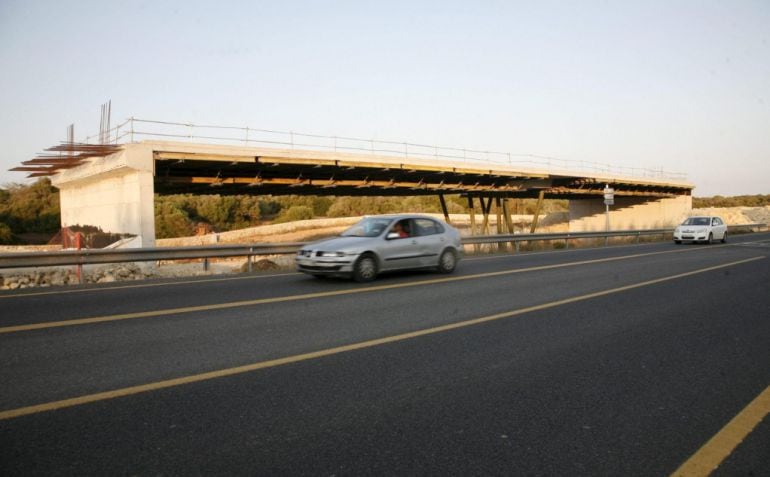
613,361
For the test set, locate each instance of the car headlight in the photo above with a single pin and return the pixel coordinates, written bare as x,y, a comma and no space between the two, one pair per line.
331,254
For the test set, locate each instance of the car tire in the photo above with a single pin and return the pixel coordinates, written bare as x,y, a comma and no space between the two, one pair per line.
710,240
365,269
678,242
724,238
447,262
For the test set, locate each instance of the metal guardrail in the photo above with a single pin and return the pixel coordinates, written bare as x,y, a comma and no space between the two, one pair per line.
102,256
205,252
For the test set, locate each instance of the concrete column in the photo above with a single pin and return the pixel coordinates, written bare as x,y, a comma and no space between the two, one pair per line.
114,193
628,213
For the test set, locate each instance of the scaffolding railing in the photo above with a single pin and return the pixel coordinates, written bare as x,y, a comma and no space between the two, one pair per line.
135,129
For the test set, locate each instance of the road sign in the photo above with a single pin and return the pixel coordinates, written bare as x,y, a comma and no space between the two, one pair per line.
609,195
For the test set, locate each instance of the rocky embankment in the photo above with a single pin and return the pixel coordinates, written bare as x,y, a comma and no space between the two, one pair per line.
17,279
59,276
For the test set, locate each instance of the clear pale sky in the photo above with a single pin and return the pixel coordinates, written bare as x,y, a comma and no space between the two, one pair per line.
678,85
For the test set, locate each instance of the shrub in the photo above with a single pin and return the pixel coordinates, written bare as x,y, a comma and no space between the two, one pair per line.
295,212
171,221
6,236
31,208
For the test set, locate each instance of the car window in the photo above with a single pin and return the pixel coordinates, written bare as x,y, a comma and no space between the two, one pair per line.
717,221
403,228
427,227
697,221
369,227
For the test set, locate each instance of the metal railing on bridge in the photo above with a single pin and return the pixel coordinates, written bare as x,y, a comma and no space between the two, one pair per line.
135,129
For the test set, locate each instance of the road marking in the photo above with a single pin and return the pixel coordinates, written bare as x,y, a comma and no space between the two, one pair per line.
185,282
718,448
759,243
493,255
195,378
306,296
145,285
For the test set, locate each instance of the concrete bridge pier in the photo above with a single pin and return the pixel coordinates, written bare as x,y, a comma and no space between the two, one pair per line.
115,194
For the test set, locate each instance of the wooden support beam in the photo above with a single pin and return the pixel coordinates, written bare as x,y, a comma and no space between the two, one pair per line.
472,214
501,247
508,221
540,198
485,211
507,214
443,208
360,183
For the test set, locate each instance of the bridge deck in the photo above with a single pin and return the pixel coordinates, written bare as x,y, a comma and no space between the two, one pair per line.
199,168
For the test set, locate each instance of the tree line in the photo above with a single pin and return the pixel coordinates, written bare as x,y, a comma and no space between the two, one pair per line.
29,213
757,200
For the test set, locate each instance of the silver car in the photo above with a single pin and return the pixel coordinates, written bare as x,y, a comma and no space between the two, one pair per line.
384,243
701,229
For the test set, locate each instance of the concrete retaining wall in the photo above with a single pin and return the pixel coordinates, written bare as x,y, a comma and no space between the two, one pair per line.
628,213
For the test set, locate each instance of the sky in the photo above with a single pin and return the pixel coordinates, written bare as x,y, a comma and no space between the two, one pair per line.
682,86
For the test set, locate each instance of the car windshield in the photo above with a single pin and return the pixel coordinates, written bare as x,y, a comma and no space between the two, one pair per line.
369,227
697,221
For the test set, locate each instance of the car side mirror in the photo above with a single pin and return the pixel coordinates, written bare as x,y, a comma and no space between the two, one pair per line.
392,235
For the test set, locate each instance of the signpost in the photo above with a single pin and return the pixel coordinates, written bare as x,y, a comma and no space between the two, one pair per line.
609,199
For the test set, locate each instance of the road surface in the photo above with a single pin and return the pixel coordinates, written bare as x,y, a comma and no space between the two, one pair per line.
627,360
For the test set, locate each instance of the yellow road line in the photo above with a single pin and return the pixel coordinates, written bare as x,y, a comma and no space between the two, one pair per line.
718,448
89,398
306,296
494,255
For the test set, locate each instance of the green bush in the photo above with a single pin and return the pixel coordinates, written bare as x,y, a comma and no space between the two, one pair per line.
293,213
6,236
171,220
30,208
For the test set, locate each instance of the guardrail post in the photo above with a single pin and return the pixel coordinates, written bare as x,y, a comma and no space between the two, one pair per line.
638,237
206,264
248,258
79,246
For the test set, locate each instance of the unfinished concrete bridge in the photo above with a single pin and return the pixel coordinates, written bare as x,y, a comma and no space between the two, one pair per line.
111,184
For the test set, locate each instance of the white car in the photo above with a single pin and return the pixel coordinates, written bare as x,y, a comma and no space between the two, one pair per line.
384,243
701,229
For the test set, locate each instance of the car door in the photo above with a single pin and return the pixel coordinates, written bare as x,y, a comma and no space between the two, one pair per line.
718,228
430,240
402,252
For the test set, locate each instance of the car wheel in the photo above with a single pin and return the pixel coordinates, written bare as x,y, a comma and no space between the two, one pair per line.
710,240
678,242
365,269
724,238
447,262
